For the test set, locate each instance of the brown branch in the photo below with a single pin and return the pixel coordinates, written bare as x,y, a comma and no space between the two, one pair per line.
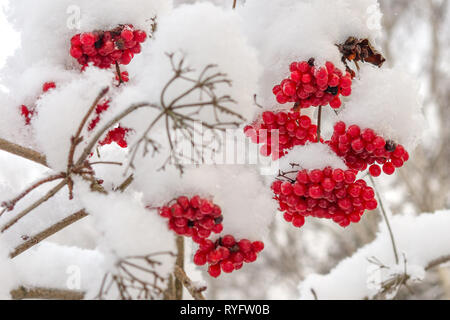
438,261
9,205
45,293
234,4
179,264
195,292
48,232
36,204
125,184
119,73
23,152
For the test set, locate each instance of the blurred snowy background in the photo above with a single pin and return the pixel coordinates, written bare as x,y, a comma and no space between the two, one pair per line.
415,38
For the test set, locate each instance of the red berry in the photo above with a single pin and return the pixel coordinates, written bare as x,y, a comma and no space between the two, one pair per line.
214,270
388,168
87,39
375,170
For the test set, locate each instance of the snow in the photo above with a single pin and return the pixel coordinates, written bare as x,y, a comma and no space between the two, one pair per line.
60,112
117,216
216,31
361,279
311,156
248,209
62,267
8,277
387,101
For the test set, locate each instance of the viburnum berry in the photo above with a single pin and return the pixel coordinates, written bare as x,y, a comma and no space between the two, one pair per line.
309,85
105,48
364,148
281,131
117,135
195,217
329,193
28,112
226,254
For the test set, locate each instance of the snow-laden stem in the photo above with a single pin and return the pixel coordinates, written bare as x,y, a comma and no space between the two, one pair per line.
9,205
60,225
23,152
36,204
386,219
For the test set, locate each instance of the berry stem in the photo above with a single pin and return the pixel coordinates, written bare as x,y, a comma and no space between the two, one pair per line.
179,264
319,121
386,219
119,73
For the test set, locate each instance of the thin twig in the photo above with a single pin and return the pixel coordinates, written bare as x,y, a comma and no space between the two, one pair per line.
386,219
9,205
45,293
234,4
437,262
36,204
48,232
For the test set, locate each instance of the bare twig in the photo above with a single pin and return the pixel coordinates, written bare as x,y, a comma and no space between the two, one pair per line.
45,293
9,205
34,240
386,219
195,292
23,152
36,204
437,262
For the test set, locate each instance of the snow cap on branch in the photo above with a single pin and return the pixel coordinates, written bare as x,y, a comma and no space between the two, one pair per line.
387,101
206,35
117,216
47,26
292,30
246,203
60,112
356,273
311,156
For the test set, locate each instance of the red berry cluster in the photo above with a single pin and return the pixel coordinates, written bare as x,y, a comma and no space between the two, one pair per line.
226,254
363,148
117,135
105,48
329,193
196,217
309,85
289,128
27,112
